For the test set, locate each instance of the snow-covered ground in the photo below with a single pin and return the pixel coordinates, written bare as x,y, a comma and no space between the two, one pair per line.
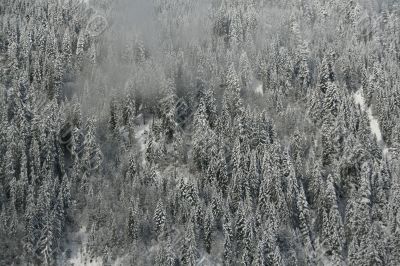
141,137
373,122
78,248
258,87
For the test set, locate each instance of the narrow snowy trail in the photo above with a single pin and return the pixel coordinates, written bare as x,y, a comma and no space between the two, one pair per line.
373,122
141,136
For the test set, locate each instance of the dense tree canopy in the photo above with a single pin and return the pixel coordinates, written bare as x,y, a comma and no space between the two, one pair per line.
184,132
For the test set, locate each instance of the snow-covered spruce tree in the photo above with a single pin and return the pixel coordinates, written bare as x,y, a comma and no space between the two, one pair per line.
331,231
296,167
228,238
208,230
204,139
233,91
189,255
129,114
159,218
167,108
133,224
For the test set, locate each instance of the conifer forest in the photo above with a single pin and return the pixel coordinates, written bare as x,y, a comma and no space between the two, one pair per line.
200,132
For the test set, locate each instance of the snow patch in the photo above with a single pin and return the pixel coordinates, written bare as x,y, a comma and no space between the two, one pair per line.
373,122
141,137
259,89
385,151
79,253
255,85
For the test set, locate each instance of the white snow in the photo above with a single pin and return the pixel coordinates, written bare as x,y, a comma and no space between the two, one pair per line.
141,137
259,89
78,247
374,123
385,151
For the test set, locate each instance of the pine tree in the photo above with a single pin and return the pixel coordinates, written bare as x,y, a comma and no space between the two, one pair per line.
240,225
46,241
228,238
133,224
92,156
223,179
114,118
253,182
304,72
235,29
211,107
167,106
67,49
132,169
332,234
376,252
159,218
315,105
170,256
58,219
23,180
232,92
151,152
189,255
245,70
208,230
331,100
202,137
129,117
80,46
249,249
326,75
277,257
224,121
393,243
304,217
54,92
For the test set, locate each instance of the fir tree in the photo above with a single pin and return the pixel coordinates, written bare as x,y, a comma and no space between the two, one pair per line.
159,218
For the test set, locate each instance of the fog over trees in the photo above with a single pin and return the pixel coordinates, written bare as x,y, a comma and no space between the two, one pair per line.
188,132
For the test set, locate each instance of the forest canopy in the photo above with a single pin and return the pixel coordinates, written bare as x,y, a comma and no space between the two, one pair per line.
186,132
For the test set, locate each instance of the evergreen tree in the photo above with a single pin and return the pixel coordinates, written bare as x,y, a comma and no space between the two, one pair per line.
189,256
202,137
167,106
208,230
133,224
159,218
129,117
67,49
232,92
